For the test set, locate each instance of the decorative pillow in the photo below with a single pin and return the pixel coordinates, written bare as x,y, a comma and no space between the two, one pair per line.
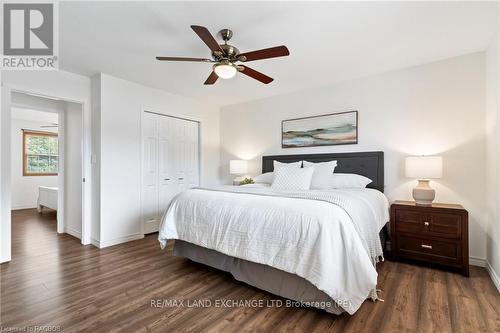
290,179
349,180
293,164
323,174
265,178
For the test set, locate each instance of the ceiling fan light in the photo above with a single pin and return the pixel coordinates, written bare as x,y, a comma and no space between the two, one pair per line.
225,70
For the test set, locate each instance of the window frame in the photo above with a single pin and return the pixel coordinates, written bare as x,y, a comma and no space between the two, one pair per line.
25,157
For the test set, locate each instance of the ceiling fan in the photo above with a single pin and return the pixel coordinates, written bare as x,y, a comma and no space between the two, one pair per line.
225,57
48,126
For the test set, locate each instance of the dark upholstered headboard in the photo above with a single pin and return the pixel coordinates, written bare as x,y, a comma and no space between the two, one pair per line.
369,164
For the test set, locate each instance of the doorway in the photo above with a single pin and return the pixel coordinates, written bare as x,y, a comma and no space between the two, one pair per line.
46,161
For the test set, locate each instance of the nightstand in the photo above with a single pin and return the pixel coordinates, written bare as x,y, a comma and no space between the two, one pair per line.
436,234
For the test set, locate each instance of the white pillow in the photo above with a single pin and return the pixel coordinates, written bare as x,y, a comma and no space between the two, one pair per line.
290,179
265,178
323,174
349,180
293,164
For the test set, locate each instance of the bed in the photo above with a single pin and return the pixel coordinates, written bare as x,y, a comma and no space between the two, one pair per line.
47,197
316,248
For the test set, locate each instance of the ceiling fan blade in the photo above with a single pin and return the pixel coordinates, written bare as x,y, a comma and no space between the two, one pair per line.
255,75
211,79
207,38
184,59
272,52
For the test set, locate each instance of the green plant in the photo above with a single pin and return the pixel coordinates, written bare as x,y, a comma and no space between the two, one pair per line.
246,181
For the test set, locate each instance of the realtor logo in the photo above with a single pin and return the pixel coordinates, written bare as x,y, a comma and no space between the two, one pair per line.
29,39
28,29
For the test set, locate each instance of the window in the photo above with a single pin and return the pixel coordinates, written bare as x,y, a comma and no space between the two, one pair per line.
40,153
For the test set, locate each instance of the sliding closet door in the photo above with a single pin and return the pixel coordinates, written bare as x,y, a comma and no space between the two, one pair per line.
150,203
171,163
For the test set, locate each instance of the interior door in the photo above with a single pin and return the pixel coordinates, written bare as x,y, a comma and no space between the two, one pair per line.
186,154
179,161
150,204
166,176
170,164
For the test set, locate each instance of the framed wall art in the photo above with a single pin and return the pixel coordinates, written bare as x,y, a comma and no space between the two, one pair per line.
323,130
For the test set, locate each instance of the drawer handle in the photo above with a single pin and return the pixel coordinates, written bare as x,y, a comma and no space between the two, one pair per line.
426,223
167,179
427,246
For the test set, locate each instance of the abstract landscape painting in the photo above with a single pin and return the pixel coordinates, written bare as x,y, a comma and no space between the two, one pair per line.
325,130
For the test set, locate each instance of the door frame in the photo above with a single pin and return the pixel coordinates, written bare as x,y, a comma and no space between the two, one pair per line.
141,122
5,179
86,165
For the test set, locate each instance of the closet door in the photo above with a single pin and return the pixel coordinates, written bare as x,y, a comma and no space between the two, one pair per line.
186,154
170,164
166,175
150,203
179,162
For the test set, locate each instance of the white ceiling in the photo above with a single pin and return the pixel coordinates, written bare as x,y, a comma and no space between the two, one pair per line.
328,41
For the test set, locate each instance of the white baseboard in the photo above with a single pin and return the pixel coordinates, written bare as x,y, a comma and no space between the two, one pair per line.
116,241
475,261
23,207
493,275
5,259
73,232
95,242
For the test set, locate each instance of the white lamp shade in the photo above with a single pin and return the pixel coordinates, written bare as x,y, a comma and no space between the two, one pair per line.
225,71
238,167
424,167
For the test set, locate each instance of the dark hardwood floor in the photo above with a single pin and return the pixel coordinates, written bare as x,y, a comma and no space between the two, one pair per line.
53,280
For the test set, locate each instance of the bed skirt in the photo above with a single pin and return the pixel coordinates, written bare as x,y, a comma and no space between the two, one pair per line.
261,276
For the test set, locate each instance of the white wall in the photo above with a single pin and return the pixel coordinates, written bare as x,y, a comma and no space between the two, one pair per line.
438,108
25,188
73,145
493,155
96,153
119,160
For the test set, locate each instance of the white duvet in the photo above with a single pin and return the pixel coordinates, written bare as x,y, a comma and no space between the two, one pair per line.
329,238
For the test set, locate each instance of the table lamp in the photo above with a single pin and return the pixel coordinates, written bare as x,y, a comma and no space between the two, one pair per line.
424,168
238,167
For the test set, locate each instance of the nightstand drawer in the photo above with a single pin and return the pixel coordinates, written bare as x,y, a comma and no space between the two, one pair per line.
432,224
412,246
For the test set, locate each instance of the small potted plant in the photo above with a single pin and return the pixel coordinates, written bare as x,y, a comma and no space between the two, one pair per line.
247,181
